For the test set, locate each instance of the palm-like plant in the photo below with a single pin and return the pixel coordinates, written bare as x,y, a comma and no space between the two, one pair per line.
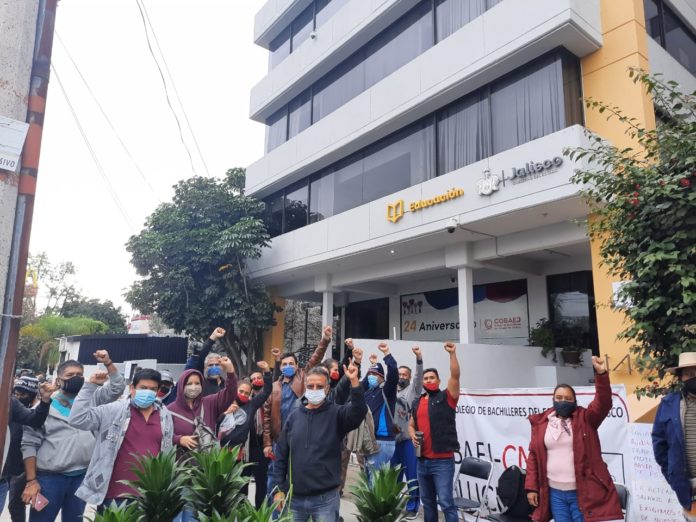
382,499
216,482
248,513
160,486
122,513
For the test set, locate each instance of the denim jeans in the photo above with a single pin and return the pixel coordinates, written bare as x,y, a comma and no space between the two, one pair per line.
376,461
317,508
436,484
59,490
4,489
564,506
405,455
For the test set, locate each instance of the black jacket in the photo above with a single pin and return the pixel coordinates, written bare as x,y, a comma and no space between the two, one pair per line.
240,433
309,448
21,416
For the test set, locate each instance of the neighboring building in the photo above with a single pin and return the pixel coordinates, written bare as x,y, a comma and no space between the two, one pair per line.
414,176
128,351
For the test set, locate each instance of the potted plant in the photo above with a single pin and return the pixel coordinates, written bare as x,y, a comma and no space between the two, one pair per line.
542,335
572,338
384,499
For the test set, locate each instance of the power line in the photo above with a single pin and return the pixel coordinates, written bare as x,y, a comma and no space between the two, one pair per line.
109,186
118,137
164,83
176,92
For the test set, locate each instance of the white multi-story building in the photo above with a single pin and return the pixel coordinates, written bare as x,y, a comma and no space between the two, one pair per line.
414,172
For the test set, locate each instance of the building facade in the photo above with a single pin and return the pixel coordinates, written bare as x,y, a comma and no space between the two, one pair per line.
414,174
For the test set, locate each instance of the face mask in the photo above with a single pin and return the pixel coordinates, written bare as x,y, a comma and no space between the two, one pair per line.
431,387
690,385
191,391
288,371
73,385
257,384
144,398
403,383
334,375
315,397
26,401
242,399
564,408
214,371
372,381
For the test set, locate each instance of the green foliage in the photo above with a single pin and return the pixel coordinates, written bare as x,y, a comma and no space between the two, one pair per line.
246,512
542,335
38,343
644,199
103,311
385,499
160,483
127,513
193,255
216,481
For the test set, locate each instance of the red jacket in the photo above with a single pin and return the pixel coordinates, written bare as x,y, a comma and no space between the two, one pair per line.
597,496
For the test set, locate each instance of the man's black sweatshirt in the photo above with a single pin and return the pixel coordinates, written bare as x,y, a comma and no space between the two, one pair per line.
309,448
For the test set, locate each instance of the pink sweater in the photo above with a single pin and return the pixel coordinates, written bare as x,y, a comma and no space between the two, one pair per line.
560,466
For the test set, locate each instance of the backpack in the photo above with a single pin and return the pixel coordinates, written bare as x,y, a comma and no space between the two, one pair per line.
400,419
511,493
206,437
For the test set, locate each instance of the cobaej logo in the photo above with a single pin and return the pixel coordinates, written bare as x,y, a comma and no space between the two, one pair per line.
396,210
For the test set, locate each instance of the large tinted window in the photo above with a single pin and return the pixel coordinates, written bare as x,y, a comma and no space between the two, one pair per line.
399,44
300,116
528,104
296,206
679,41
274,214
452,15
402,160
463,133
321,197
277,130
342,84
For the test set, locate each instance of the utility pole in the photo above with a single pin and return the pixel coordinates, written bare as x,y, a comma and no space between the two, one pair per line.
26,44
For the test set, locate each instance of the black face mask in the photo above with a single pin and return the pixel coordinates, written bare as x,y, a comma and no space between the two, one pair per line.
26,401
403,383
73,385
564,408
256,388
690,385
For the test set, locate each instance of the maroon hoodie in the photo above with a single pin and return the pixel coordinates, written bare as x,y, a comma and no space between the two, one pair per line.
214,405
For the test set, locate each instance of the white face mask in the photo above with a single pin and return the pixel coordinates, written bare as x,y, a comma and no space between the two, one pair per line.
191,391
315,397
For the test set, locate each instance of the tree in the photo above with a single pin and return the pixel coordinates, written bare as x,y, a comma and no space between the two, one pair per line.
39,340
193,256
103,311
54,281
644,201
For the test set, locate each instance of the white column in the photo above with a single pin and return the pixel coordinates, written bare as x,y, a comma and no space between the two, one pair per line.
465,282
327,304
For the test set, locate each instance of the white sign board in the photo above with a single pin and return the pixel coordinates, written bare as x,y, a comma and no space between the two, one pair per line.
652,500
12,136
493,425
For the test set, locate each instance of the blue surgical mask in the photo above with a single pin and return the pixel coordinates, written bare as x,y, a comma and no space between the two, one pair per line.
214,371
372,381
288,371
144,398
315,397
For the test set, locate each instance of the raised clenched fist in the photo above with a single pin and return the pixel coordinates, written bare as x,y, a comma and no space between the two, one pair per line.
417,352
217,334
275,352
357,355
263,366
226,365
99,378
373,359
327,333
599,364
383,347
102,356
450,347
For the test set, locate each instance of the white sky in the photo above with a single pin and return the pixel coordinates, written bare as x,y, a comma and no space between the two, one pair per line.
208,46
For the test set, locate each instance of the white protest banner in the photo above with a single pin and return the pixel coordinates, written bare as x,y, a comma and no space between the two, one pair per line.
652,500
493,425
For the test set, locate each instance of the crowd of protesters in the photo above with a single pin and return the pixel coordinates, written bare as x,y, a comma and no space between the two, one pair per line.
75,442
